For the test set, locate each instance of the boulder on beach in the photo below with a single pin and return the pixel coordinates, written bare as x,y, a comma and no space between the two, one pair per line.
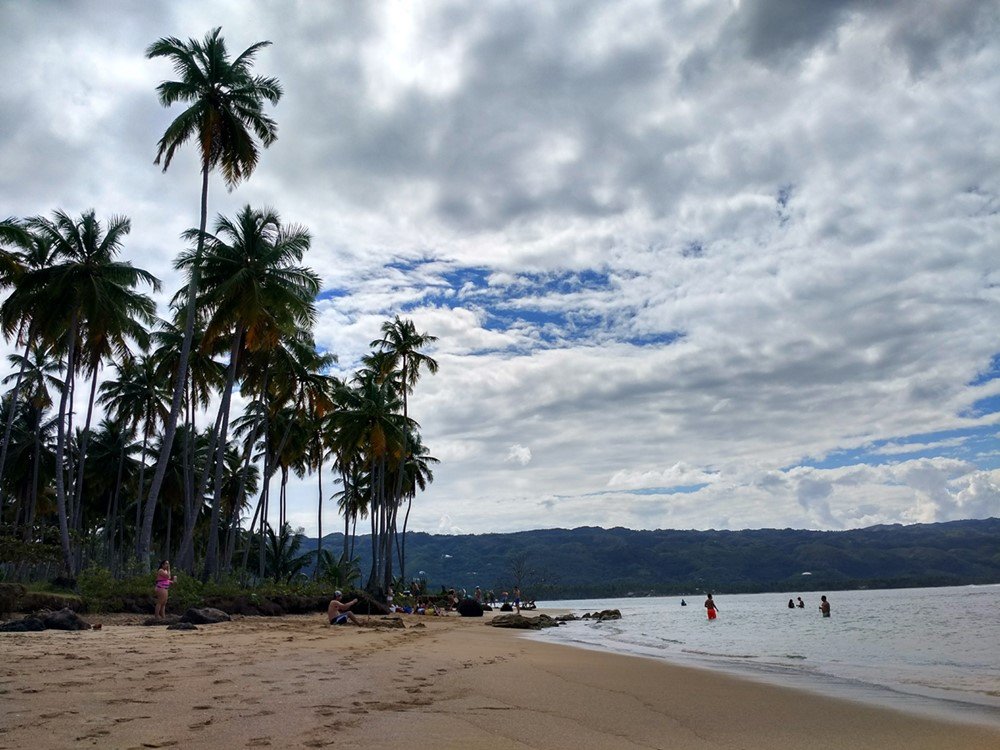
24,625
168,620
520,622
64,619
205,616
470,608
603,615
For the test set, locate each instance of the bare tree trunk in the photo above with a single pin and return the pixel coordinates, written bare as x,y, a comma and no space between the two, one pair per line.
170,428
67,553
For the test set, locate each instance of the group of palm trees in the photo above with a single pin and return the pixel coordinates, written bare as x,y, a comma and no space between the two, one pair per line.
147,479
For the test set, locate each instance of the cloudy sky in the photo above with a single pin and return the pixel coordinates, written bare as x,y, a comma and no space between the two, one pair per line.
699,264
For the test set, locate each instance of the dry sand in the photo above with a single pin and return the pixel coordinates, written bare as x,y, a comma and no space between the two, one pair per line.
443,682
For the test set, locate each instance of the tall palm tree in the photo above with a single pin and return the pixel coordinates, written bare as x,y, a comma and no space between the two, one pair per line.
87,296
254,295
224,115
401,343
12,234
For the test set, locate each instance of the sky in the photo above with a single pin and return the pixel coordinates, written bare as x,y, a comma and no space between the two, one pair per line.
691,265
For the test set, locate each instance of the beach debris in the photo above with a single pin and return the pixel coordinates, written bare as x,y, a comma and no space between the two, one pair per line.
182,626
205,616
603,616
520,622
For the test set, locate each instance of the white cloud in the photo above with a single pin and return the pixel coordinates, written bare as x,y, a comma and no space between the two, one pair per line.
810,200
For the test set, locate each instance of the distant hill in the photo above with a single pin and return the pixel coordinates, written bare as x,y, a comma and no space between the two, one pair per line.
594,562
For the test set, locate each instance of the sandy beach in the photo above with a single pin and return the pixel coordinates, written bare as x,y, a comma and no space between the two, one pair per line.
440,682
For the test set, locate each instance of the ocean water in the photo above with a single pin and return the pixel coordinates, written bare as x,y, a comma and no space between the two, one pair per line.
932,651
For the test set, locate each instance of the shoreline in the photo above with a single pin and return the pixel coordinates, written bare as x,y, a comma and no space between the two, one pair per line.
297,682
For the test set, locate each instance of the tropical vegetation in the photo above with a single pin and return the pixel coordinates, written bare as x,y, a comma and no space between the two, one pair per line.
129,436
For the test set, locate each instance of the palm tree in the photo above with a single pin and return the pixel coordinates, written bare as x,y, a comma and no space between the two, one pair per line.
139,399
225,112
89,297
12,233
18,318
401,343
254,295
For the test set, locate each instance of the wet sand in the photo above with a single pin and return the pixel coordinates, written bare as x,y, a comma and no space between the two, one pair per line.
443,682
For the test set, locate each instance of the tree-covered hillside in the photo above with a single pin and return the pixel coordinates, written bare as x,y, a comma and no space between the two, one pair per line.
585,562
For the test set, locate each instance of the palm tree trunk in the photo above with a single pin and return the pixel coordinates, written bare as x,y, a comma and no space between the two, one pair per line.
319,515
29,522
84,444
138,492
170,428
61,447
212,554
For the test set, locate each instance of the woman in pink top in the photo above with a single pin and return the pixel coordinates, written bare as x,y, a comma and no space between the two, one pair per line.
163,581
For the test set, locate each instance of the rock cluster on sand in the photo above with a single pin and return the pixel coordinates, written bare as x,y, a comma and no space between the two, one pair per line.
603,615
63,619
520,622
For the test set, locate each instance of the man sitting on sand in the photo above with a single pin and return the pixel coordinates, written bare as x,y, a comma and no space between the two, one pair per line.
339,612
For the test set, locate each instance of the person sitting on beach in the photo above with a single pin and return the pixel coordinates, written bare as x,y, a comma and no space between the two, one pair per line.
163,583
339,612
824,606
791,604
802,604
711,608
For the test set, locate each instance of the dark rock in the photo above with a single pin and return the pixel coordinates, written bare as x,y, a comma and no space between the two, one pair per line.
205,616
521,622
182,626
64,619
168,620
566,618
506,607
487,608
28,624
470,608
603,615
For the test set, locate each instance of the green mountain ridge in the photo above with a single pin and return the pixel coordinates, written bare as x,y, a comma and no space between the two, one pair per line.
594,562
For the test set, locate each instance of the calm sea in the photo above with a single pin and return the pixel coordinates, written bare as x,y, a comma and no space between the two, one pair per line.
933,651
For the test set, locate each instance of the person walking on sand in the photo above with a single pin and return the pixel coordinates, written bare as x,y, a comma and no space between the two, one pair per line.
163,583
824,606
710,608
339,613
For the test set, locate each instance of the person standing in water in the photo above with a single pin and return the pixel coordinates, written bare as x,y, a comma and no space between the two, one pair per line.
824,606
163,583
711,608
802,604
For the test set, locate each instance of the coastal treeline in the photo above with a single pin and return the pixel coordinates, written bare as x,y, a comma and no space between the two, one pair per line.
159,462
590,562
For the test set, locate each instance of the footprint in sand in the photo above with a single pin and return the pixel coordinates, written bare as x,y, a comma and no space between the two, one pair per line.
259,742
201,724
